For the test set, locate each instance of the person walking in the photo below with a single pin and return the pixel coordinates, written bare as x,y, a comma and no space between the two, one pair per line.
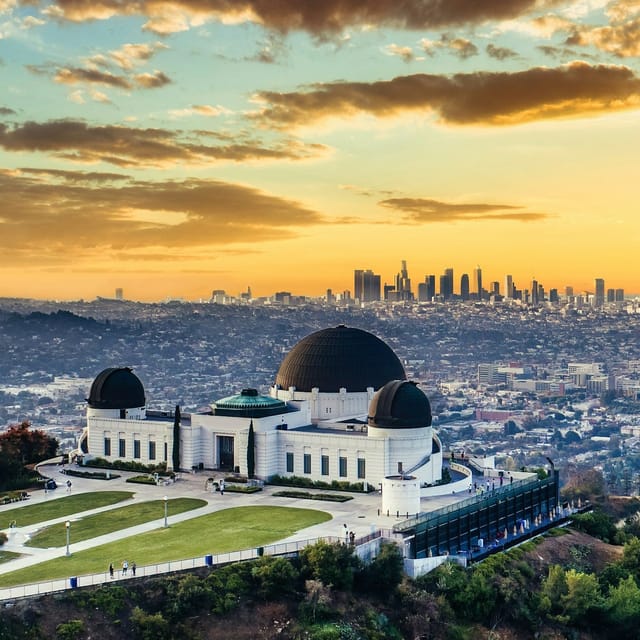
125,566
111,569
133,568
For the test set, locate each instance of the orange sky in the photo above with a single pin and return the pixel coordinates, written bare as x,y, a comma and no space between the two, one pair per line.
183,147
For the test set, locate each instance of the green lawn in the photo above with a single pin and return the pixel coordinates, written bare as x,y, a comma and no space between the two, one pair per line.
112,520
219,532
60,507
5,556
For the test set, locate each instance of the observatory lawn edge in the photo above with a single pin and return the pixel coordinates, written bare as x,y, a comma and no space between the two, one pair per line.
223,531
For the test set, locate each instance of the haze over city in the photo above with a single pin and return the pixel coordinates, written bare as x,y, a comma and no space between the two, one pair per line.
174,148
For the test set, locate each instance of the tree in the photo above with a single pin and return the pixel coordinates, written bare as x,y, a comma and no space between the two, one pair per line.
274,577
331,563
623,606
583,597
176,439
385,572
251,452
27,445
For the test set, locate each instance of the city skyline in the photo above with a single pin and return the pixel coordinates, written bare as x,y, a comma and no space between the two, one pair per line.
169,149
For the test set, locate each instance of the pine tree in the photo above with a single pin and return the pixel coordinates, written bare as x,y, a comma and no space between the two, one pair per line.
251,454
176,439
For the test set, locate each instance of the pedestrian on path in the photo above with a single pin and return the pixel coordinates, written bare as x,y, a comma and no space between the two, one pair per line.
125,566
68,486
133,568
221,487
111,569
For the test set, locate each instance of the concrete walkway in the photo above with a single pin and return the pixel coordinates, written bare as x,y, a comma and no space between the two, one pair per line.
361,514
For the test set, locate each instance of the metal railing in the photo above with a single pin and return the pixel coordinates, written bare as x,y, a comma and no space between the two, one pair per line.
209,560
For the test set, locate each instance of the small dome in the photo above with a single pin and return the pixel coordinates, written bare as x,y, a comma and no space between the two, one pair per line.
340,357
116,388
248,403
399,405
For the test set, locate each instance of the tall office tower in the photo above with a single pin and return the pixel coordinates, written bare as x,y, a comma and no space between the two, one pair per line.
444,287
477,281
508,286
534,292
619,295
366,285
541,294
329,297
611,295
119,294
568,292
403,283
553,296
431,285
464,286
599,299
447,292
495,288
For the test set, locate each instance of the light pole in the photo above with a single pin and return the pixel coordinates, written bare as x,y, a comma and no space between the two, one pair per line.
67,524
166,502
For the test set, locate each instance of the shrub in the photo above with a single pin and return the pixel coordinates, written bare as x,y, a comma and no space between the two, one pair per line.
275,577
337,485
70,630
148,626
141,480
305,495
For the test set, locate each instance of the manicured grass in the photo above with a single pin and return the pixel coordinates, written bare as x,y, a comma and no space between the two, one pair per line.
5,556
112,520
60,507
219,532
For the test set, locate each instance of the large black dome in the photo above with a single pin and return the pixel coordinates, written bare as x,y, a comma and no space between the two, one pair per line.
400,405
339,357
116,388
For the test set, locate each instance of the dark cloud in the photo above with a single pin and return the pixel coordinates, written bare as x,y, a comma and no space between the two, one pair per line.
49,212
321,18
500,53
76,75
425,210
493,98
130,147
6,111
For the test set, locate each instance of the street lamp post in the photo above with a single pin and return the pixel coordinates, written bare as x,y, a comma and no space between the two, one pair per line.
166,502
67,524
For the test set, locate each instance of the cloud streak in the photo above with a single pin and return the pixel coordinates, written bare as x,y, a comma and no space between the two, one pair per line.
133,147
74,213
426,210
488,98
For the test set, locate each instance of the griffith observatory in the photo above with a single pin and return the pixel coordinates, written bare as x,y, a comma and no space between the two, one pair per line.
340,408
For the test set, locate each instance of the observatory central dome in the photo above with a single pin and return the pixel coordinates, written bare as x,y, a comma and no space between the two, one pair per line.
340,357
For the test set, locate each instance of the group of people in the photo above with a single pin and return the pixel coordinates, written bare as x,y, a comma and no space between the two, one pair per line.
349,536
125,568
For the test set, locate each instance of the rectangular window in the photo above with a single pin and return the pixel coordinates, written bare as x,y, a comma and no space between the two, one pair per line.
324,465
122,448
342,464
107,446
152,450
361,468
307,463
166,452
289,462
136,448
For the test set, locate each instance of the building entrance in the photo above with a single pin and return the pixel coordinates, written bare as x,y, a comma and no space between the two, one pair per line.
225,453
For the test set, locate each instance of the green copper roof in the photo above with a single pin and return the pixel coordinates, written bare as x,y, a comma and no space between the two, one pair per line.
248,400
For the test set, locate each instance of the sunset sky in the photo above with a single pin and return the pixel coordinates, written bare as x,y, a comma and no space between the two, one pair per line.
172,148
